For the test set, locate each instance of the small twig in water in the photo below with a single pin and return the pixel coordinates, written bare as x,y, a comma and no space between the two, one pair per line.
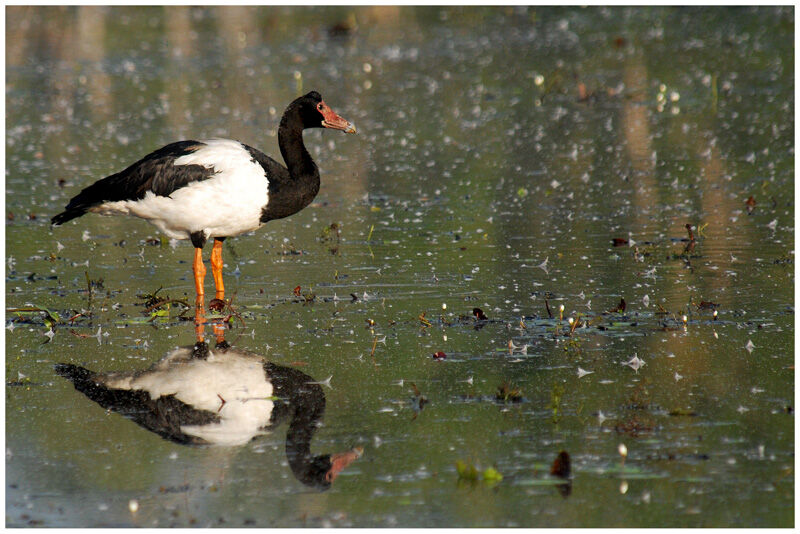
372,352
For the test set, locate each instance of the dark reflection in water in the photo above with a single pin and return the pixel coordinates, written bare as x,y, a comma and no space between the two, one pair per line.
221,396
561,468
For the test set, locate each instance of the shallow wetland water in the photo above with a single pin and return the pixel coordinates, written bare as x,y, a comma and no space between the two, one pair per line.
500,153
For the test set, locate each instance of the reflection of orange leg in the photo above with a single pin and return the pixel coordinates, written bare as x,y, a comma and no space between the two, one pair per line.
219,333
199,272
199,318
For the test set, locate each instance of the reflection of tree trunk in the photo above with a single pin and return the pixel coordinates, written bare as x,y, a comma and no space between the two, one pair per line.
91,31
716,206
18,29
638,143
238,30
381,15
178,29
61,42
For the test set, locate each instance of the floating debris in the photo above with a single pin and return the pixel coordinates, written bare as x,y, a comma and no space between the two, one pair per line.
750,346
506,392
678,412
751,204
326,382
543,265
583,372
439,356
635,363
423,321
418,401
561,465
513,348
620,307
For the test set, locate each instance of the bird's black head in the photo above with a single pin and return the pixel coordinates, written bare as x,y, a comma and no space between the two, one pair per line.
317,474
320,471
315,113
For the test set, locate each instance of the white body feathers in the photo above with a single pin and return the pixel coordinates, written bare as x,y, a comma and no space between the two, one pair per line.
231,384
227,204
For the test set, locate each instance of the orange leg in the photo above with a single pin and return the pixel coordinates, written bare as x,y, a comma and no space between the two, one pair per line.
216,268
199,272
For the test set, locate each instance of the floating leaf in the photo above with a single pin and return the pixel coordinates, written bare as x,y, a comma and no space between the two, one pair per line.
683,412
538,482
466,471
50,317
492,475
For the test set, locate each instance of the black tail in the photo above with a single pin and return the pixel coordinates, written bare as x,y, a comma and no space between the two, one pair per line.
155,172
86,382
88,198
67,215
82,378
164,415
91,196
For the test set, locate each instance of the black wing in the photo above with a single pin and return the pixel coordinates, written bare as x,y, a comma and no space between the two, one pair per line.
155,172
164,415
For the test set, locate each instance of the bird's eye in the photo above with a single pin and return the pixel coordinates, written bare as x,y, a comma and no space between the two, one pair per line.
319,106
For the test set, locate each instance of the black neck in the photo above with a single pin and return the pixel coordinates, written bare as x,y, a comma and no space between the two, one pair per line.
290,140
303,404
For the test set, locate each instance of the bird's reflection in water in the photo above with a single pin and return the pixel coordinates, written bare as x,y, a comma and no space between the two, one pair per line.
221,396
